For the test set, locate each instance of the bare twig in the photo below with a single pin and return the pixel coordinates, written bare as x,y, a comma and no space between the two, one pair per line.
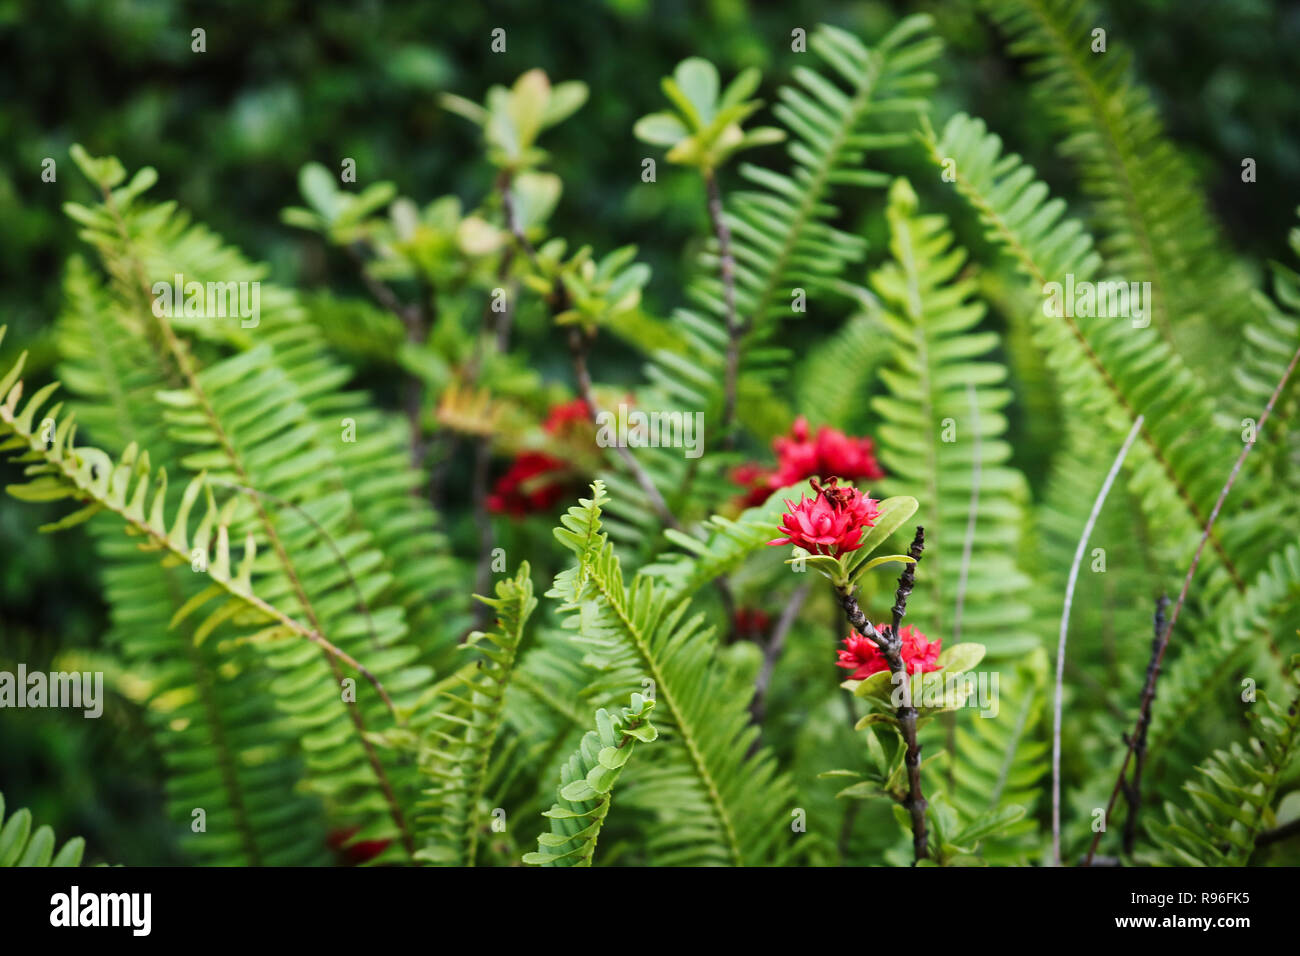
772,652
578,344
410,315
416,323
504,184
891,646
1133,790
486,540
1284,832
499,328
1065,627
1149,691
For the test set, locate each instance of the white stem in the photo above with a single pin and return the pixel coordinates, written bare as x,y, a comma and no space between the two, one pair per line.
969,544
1065,626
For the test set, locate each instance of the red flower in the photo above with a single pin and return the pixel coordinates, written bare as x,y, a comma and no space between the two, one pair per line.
757,481
860,654
853,459
796,455
535,481
750,620
566,415
357,853
800,455
830,523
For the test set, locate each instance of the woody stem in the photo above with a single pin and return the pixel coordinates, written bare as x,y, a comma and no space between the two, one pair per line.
891,646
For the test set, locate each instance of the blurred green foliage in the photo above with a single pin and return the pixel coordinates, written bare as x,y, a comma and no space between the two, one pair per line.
287,82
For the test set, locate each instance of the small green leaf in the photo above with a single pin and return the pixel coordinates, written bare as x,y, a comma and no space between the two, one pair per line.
988,824
893,513
578,791
876,562
879,685
566,99
961,657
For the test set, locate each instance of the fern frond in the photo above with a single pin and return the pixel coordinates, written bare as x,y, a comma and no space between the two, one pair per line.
138,241
780,229
129,489
59,469
19,846
688,568
1230,798
716,803
228,752
1266,347
1148,205
1106,366
1005,758
1266,611
464,728
941,436
782,239
586,784
329,490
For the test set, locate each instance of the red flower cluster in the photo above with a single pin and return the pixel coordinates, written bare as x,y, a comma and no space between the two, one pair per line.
801,455
831,523
566,416
535,481
860,654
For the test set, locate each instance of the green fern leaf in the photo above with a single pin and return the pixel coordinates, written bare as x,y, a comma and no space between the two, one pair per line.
586,783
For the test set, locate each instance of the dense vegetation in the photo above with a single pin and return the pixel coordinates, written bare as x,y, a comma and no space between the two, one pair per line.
392,575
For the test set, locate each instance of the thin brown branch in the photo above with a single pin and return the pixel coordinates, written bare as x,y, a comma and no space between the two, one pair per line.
772,653
416,323
1284,832
504,185
486,540
1148,693
1133,789
578,345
